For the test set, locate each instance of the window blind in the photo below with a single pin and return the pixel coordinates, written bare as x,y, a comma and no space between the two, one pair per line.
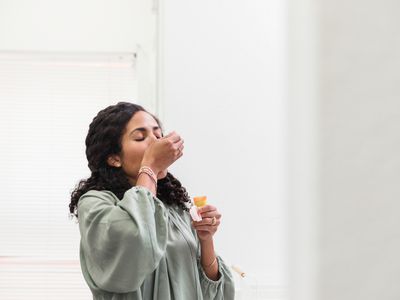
47,101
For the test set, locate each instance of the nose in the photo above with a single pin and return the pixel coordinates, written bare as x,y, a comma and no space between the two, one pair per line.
152,137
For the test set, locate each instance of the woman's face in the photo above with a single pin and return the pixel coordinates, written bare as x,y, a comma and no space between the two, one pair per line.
141,130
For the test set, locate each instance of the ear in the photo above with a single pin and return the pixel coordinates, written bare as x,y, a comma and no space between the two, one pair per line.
114,161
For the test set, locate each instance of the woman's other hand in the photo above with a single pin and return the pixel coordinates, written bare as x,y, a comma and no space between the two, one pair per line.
207,227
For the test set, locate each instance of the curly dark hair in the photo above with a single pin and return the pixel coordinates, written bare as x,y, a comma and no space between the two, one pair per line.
104,139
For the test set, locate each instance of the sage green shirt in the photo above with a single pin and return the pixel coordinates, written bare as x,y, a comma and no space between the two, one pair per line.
138,248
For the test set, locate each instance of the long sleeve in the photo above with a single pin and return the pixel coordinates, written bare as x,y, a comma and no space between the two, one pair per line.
122,242
223,288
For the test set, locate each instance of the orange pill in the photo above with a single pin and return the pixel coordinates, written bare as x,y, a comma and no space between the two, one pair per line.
200,201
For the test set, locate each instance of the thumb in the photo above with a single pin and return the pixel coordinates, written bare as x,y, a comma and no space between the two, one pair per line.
169,134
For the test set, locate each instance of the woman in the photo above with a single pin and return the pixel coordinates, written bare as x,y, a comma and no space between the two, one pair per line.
137,237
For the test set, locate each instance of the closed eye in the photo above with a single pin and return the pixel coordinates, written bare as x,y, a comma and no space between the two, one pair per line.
142,139
145,132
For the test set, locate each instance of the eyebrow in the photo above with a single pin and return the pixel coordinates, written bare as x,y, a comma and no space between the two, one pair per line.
142,129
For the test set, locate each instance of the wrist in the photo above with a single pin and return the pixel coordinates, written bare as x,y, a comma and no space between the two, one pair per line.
210,265
147,171
208,242
151,166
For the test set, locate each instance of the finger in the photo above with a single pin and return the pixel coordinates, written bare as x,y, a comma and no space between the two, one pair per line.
169,134
200,223
203,222
211,229
207,208
205,230
179,145
174,137
212,214
179,155
180,150
207,222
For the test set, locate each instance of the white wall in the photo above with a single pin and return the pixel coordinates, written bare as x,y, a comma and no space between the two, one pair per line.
90,25
347,222
360,146
223,91
303,155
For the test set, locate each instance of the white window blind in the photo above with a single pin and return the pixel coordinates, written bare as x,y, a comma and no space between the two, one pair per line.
47,101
